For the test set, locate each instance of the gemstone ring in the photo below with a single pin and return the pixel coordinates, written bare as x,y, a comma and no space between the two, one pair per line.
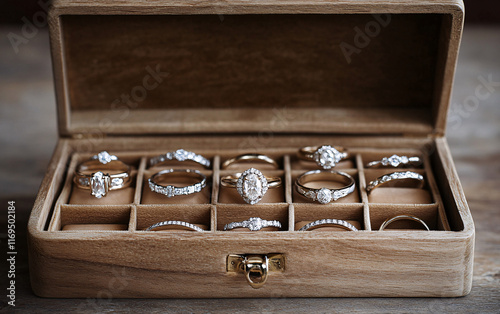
324,195
328,222
253,224
252,185
402,177
395,161
325,156
179,155
177,223
158,182
101,174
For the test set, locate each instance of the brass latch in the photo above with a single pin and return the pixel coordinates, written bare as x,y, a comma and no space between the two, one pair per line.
255,266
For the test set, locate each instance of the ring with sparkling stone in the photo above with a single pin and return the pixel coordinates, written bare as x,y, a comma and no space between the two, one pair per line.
249,158
252,185
328,222
395,161
400,177
174,223
157,182
402,217
325,195
254,224
179,155
325,156
101,174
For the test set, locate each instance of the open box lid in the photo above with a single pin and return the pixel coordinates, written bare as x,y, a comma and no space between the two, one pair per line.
312,66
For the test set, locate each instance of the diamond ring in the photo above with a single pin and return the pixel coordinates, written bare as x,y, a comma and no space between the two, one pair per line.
101,174
249,158
324,195
254,224
252,185
403,217
328,222
179,155
325,156
158,180
174,223
396,177
395,161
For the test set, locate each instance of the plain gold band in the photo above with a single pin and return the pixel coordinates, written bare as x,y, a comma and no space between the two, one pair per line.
231,180
402,217
249,158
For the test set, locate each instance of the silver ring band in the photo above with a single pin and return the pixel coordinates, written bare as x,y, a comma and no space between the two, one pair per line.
324,195
402,217
174,223
254,224
393,177
171,190
180,155
328,222
395,161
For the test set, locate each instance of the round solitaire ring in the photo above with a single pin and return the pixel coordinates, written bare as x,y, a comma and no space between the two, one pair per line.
179,155
254,224
395,161
252,185
396,177
325,156
157,182
101,174
403,217
249,158
174,223
324,195
328,222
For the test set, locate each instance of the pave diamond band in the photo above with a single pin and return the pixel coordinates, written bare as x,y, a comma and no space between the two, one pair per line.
157,182
254,224
396,177
328,222
324,195
325,156
174,223
179,155
252,185
395,161
403,217
101,174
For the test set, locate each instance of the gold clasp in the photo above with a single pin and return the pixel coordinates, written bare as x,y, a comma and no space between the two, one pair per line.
255,266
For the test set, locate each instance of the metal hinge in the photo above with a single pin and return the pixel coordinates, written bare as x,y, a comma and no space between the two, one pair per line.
255,266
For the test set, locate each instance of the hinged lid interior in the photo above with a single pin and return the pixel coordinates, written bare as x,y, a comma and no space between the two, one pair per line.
159,67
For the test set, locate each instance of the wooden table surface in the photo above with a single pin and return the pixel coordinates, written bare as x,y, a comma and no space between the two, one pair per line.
28,134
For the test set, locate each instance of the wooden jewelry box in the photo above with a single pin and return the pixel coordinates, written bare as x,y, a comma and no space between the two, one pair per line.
222,78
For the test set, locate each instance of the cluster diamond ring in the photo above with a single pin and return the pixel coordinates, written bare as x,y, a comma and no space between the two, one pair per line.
253,224
395,161
324,195
252,185
325,156
101,174
158,182
179,155
328,222
396,177
403,217
249,158
174,223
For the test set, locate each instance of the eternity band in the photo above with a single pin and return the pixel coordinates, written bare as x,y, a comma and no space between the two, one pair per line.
179,155
395,161
328,222
174,223
324,195
249,158
155,182
325,156
395,176
403,217
254,224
